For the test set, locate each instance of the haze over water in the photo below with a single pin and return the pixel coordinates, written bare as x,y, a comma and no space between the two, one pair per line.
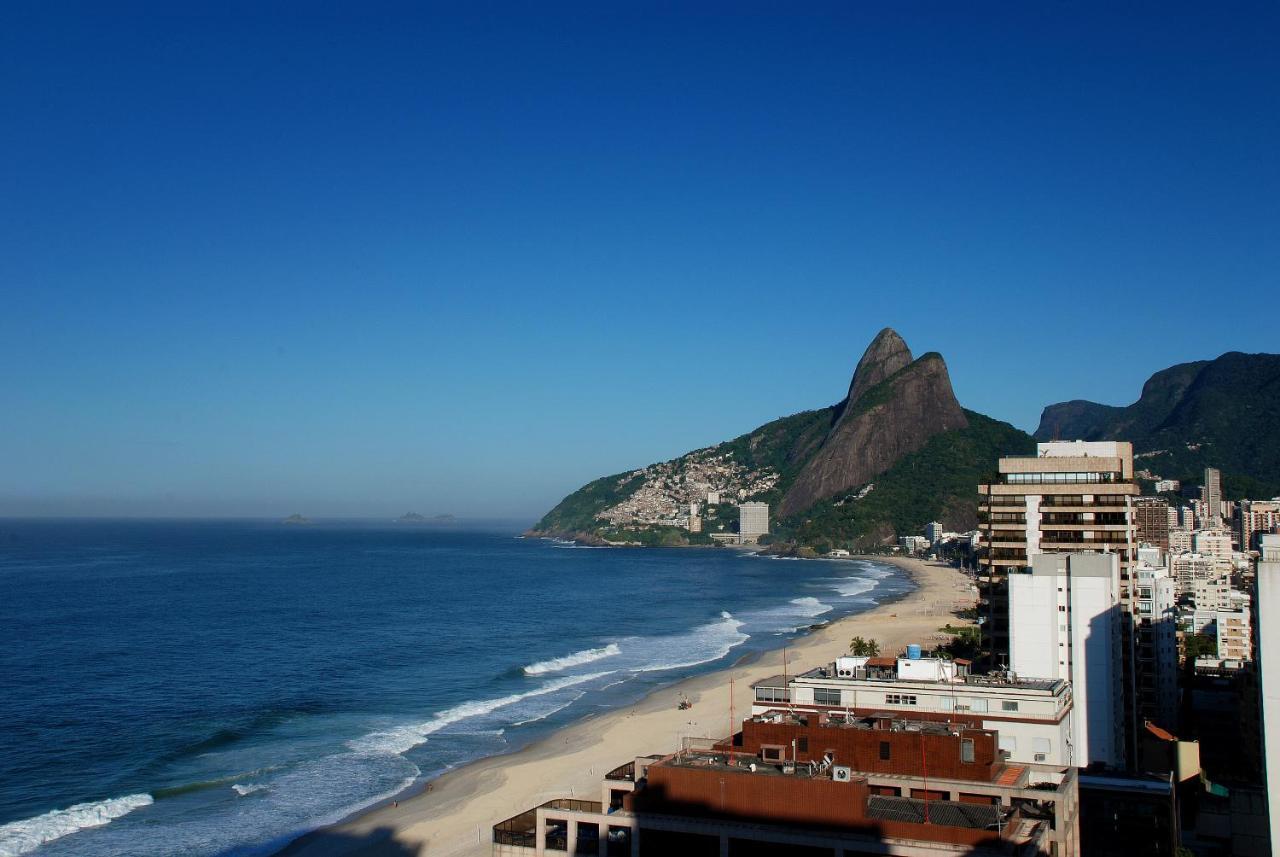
218,687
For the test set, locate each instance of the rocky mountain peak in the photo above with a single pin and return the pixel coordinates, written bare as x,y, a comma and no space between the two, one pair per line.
886,354
895,405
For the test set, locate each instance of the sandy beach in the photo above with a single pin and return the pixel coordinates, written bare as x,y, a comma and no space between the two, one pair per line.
455,813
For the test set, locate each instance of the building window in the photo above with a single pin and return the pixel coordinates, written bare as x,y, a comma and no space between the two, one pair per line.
899,699
884,750
966,750
771,754
1008,705
826,696
802,744
771,694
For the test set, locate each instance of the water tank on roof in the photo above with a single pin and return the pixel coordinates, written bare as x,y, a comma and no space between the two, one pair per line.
913,651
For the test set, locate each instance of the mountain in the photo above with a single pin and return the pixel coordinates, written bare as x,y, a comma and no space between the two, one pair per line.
1210,413
895,404
895,453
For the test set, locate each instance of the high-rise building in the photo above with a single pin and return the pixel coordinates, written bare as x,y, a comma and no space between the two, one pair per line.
1072,496
1211,492
1156,645
1069,496
933,532
1256,516
1267,637
753,520
1065,623
1151,515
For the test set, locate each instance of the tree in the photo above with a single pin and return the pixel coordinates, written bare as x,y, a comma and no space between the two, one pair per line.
858,647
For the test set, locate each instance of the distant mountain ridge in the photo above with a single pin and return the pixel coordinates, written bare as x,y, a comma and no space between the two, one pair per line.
1219,413
846,474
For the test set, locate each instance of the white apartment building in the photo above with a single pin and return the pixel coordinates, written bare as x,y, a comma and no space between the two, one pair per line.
1156,644
1215,543
913,544
1188,569
1065,623
1179,540
1032,715
1150,556
1267,607
1211,593
933,532
1234,634
1166,485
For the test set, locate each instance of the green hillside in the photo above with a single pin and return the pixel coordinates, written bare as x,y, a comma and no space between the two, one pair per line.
1217,413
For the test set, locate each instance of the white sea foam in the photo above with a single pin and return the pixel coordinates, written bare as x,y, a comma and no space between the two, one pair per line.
404,738
23,837
249,789
810,607
851,586
705,643
535,716
576,659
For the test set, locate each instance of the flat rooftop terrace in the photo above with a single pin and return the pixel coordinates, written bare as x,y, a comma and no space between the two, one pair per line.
890,675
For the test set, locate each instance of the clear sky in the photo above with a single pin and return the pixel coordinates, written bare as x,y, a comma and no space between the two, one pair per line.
359,259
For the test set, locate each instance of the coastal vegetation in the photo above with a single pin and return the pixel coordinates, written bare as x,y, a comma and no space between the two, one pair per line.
858,647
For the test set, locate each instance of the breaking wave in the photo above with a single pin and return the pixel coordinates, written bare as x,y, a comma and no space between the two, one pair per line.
23,837
576,659
404,738
703,644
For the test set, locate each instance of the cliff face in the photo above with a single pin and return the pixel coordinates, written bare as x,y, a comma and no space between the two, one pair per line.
895,406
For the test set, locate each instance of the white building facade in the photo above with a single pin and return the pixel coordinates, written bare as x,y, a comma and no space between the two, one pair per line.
1065,623
1032,715
1156,643
1267,610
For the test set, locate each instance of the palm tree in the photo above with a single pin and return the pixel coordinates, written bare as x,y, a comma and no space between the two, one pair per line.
858,647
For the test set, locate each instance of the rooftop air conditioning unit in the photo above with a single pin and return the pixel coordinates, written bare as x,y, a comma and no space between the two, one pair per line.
842,774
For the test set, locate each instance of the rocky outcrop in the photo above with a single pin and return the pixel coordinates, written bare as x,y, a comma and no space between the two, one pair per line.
886,355
895,406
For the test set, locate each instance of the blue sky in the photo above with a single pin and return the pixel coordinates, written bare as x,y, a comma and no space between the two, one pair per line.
368,258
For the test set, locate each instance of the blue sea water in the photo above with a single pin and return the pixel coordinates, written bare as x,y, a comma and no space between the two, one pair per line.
220,687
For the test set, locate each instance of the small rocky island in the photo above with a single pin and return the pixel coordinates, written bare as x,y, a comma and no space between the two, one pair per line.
296,520
415,518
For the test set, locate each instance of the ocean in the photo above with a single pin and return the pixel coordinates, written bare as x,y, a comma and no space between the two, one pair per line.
220,687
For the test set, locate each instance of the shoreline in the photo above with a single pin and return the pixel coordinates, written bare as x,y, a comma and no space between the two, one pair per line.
453,814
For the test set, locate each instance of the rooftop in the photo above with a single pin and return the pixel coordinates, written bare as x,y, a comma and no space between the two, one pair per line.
886,670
